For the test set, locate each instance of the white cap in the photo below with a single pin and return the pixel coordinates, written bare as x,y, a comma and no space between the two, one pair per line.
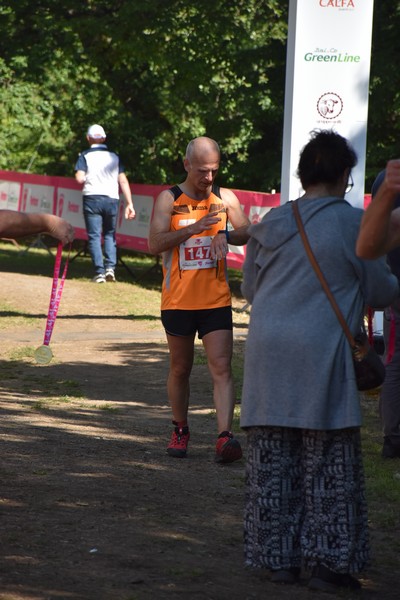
96,131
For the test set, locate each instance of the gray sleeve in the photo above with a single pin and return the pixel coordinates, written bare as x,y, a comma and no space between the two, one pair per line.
250,270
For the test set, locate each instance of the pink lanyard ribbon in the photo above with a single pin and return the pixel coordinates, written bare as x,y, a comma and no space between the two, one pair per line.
55,295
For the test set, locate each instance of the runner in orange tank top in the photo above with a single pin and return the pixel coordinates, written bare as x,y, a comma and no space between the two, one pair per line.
190,229
192,278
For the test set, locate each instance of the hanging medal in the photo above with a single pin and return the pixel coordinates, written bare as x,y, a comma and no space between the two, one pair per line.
43,353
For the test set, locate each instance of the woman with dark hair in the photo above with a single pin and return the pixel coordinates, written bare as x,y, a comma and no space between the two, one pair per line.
305,494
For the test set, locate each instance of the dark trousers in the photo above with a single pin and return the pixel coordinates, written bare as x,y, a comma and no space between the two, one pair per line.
390,393
100,216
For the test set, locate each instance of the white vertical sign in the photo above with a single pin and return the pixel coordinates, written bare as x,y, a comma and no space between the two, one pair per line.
327,80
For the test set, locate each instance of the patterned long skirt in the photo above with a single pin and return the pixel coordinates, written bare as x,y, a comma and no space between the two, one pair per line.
305,500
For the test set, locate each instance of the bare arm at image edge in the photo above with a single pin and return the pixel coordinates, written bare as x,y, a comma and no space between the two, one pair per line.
380,225
14,224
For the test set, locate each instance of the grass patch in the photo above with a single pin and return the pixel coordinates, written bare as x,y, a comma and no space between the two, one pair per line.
18,354
108,408
135,296
18,376
200,357
45,404
133,267
12,317
382,475
40,405
236,420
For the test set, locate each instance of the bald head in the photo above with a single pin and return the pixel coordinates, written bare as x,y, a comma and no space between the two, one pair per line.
201,148
201,165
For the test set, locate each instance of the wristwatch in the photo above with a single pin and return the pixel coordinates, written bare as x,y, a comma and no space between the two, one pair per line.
226,232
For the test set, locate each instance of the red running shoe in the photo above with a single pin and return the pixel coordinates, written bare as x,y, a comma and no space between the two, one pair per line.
227,449
179,442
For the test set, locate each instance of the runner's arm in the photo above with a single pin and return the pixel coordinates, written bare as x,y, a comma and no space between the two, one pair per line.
238,236
380,225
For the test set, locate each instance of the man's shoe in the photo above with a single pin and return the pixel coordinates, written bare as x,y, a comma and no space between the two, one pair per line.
100,278
110,275
227,449
326,580
179,442
390,449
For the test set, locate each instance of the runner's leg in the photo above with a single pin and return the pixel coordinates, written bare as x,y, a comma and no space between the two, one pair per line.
181,353
218,346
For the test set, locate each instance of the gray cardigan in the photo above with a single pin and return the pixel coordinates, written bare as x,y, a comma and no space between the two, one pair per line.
298,365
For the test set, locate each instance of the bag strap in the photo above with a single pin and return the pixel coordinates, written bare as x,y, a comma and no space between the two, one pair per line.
320,275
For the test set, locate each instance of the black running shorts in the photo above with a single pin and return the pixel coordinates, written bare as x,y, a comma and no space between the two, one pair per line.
188,322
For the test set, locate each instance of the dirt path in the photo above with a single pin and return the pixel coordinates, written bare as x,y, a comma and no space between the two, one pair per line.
91,506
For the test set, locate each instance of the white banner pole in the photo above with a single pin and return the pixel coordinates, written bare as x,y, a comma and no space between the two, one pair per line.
327,81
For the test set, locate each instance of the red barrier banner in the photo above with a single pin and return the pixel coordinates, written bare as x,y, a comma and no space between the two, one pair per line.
62,196
135,233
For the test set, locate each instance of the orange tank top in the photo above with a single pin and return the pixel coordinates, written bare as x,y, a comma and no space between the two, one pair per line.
192,279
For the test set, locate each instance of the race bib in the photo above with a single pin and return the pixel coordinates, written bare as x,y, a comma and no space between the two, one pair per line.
195,253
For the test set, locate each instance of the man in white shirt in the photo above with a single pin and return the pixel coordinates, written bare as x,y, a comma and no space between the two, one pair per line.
102,174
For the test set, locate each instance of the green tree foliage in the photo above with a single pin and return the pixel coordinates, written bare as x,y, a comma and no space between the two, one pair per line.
155,73
48,90
383,140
